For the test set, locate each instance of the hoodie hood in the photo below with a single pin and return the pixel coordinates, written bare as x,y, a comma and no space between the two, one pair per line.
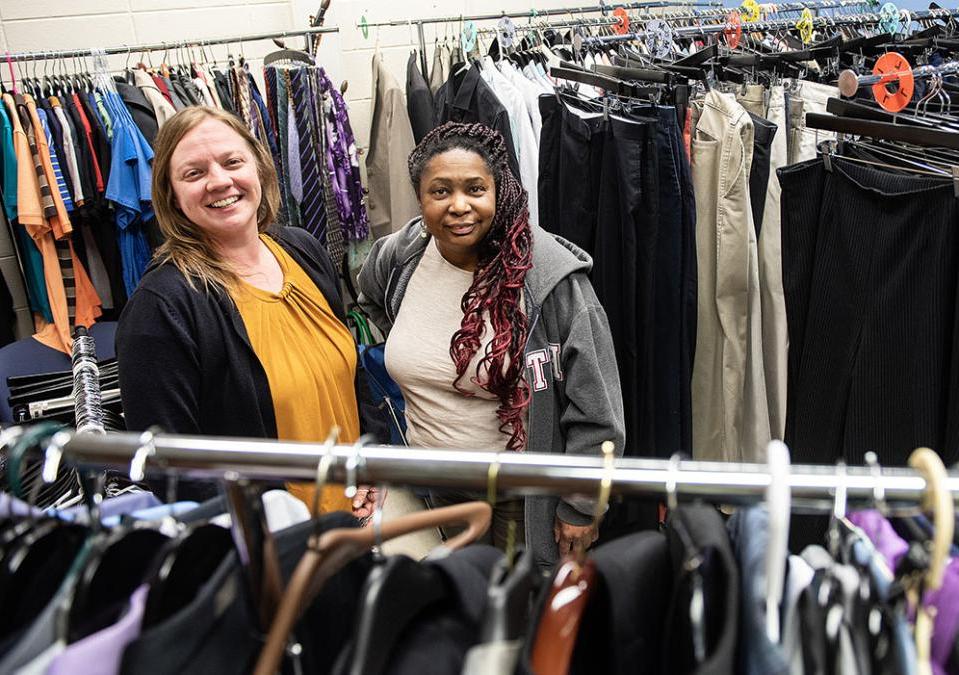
554,258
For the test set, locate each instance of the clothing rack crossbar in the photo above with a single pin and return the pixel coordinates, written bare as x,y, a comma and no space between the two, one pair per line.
518,472
158,46
652,4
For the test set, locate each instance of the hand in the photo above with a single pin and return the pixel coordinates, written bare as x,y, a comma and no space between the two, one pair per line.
573,538
364,502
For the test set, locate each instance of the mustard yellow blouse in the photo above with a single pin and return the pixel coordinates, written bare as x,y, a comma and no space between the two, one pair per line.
310,361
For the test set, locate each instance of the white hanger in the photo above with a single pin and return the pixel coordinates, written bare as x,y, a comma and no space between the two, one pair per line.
778,501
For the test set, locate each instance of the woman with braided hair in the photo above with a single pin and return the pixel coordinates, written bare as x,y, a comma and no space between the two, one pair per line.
495,335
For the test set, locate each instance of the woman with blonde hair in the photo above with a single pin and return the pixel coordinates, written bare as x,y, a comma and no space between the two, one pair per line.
237,328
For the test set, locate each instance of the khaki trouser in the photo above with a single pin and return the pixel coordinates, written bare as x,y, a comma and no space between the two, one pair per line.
730,414
814,97
775,333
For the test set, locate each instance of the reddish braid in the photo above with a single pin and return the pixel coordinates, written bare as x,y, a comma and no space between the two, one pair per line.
504,258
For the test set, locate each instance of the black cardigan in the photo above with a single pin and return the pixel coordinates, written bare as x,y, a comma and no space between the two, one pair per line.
186,362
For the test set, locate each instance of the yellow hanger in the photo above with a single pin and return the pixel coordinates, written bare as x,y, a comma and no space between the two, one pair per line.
938,500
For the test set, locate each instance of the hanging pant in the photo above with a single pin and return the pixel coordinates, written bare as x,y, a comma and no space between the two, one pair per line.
730,416
870,264
775,334
763,134
813,97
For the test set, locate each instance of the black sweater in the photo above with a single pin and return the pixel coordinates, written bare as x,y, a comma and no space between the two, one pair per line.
186,362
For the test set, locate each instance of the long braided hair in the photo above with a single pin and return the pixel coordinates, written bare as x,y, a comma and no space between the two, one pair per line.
505,256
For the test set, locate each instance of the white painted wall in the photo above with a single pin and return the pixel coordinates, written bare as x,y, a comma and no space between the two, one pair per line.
38,25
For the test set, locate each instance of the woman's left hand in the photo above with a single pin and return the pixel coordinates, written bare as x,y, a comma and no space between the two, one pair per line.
573,538
365,500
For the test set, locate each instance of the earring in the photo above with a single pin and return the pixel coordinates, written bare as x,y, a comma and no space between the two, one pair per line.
424,233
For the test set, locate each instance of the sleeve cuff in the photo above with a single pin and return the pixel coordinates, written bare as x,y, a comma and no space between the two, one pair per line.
570,514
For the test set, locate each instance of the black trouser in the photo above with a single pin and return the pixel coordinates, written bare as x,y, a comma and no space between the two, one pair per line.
599,189
763,133
870,272
675,289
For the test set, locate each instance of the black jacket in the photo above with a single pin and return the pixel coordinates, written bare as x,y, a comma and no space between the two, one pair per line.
140,110
419,100
186,362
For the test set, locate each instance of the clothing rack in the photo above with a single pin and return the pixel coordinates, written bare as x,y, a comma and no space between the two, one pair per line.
157,46
817,22
508,472
716,13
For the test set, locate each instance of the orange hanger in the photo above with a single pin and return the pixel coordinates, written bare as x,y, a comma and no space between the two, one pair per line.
569,594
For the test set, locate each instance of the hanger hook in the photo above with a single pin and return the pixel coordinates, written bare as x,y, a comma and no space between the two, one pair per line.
353,464
672,474
323,467
492,475
605,487
146,450
839,505
878,490
52,456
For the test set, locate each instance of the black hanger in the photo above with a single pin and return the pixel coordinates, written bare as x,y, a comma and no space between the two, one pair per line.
508,599
33,569
394,593
884,130
118,564
636,74
288,55
609,84
702,56
182,567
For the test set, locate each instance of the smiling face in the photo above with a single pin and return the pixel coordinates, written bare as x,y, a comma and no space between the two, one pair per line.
457,197
215,181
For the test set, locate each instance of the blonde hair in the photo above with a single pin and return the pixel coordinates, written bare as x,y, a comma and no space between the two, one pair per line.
186,245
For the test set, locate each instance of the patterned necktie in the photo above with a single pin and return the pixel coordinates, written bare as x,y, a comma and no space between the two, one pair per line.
312,213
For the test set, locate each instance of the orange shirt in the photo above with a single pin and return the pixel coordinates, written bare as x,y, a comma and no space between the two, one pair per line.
310,361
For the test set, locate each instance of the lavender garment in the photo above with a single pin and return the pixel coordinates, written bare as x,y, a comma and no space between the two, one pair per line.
946,626
100,653
122,505
293,155
890,545
341,144
11,506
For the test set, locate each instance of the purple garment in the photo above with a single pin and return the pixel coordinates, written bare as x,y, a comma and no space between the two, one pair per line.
890,545
100,653
293,155
11,506
122,505
343,160
946,626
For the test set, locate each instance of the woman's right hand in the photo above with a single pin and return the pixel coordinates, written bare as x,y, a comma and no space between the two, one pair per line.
364,502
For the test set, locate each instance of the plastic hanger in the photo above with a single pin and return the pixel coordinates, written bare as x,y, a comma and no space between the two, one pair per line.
395,591
569,593
778,498
329,552
938,500
512,584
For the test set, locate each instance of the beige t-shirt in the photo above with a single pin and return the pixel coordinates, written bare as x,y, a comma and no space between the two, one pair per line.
418,359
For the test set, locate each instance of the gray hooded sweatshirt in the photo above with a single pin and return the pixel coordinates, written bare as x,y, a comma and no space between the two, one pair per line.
576,401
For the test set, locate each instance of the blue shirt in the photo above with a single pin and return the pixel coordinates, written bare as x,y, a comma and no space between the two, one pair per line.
129,189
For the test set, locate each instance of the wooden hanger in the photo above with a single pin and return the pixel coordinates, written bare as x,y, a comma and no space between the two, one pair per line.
938,500
571,587
330,552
